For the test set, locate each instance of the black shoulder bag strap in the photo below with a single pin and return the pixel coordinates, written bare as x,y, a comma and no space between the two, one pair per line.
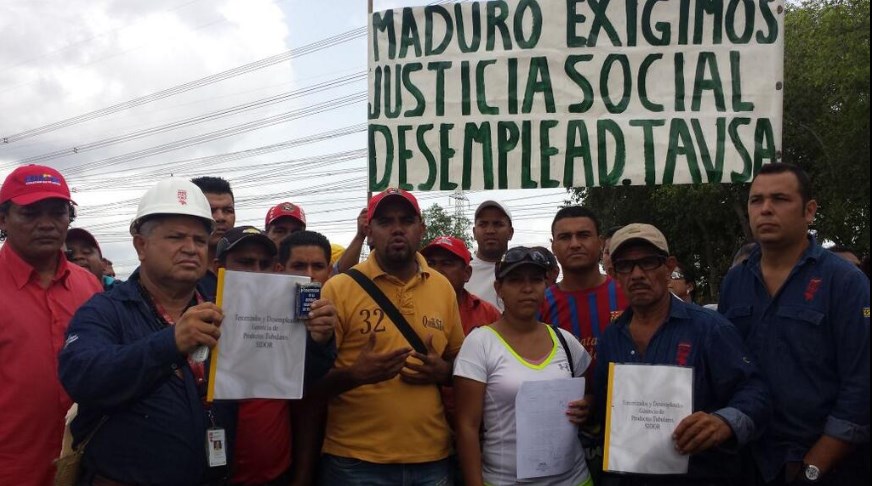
565,348
390,309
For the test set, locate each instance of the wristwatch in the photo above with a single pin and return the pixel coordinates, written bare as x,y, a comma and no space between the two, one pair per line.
811,473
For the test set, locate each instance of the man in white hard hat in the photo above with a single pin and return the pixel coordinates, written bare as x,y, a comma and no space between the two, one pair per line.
39,291
133,357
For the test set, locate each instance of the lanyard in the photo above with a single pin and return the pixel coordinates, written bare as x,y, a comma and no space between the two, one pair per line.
197,369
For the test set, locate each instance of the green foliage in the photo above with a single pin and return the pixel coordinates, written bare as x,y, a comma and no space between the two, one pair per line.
826,112
826,132
441,223
704,224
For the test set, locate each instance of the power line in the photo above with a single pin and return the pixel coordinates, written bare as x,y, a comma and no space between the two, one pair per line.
212,161
246,68
234,110
218,134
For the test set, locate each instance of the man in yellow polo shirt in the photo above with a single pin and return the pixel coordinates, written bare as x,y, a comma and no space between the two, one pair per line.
385,421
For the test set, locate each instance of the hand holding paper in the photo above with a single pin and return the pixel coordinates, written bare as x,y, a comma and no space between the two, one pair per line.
372,367
699,432
321,321
198,326
433,370
578,411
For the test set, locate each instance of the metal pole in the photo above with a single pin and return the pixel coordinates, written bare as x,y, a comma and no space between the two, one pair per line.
368,20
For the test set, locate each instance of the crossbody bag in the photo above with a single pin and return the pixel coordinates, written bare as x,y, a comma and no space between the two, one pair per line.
389,309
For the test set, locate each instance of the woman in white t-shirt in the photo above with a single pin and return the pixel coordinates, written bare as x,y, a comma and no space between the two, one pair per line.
491,366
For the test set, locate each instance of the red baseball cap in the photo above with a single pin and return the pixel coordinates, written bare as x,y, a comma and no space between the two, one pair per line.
281,210
82,234
452,244
388,193
33,183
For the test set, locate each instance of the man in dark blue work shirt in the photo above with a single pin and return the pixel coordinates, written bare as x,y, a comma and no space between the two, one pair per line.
133,358
804,314
730,400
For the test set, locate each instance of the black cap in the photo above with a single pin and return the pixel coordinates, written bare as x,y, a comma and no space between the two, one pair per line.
519,256
240,234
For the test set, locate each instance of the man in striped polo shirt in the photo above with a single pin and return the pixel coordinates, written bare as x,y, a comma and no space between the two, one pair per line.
585,301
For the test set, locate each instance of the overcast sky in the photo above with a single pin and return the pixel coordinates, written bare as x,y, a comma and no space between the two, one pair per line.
62,59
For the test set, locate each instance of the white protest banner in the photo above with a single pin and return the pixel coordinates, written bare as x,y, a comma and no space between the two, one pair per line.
644,406
262,349
547,442
543,94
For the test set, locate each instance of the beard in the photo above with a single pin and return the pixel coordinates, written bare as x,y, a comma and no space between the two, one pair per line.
396,257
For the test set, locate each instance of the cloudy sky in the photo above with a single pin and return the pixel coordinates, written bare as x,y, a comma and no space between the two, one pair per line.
119,94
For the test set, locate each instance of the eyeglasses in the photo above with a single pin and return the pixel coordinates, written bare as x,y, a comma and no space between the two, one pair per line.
676,275
646,263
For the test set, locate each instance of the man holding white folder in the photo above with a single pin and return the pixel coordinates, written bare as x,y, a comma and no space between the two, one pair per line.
134,356
730,401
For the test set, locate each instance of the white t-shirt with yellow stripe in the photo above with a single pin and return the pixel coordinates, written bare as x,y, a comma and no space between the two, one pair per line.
486,358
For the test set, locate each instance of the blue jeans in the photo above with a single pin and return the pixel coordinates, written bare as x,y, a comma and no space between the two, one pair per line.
336,470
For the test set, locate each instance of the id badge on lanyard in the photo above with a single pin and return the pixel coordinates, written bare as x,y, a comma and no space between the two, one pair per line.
216,443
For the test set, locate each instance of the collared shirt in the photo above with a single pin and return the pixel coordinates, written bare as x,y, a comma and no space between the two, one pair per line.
811,340
33,321
475,312
391,422
725,380
120,361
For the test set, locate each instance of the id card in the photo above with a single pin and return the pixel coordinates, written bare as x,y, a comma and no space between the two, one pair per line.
216,447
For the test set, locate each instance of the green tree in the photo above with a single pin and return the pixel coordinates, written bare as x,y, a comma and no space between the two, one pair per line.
826,132
826,112
441,223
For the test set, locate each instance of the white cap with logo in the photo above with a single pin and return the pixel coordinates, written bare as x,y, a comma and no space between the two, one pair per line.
173,196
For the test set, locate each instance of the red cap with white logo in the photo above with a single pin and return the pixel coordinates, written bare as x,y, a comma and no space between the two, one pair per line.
452,244
285,209
389,193
33,183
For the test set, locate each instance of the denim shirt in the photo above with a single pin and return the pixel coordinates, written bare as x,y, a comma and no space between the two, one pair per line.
119,363
725,381
811,340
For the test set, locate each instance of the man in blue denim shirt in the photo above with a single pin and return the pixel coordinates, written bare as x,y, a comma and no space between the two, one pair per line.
132,358
804,314
730,400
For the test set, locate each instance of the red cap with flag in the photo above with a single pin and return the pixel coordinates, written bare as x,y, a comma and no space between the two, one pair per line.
281,210
389,193
33,183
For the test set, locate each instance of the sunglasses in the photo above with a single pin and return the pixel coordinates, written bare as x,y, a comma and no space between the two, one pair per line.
522,253
676,275
646,263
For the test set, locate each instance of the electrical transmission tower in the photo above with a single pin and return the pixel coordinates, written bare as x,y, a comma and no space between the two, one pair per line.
460,202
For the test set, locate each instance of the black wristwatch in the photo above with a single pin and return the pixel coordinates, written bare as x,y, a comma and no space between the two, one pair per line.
811,473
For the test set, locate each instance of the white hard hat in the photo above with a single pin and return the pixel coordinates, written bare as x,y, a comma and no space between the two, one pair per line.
173,196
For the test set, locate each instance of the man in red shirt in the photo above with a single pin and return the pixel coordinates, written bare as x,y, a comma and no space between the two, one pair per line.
450,257
264,432
39,292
